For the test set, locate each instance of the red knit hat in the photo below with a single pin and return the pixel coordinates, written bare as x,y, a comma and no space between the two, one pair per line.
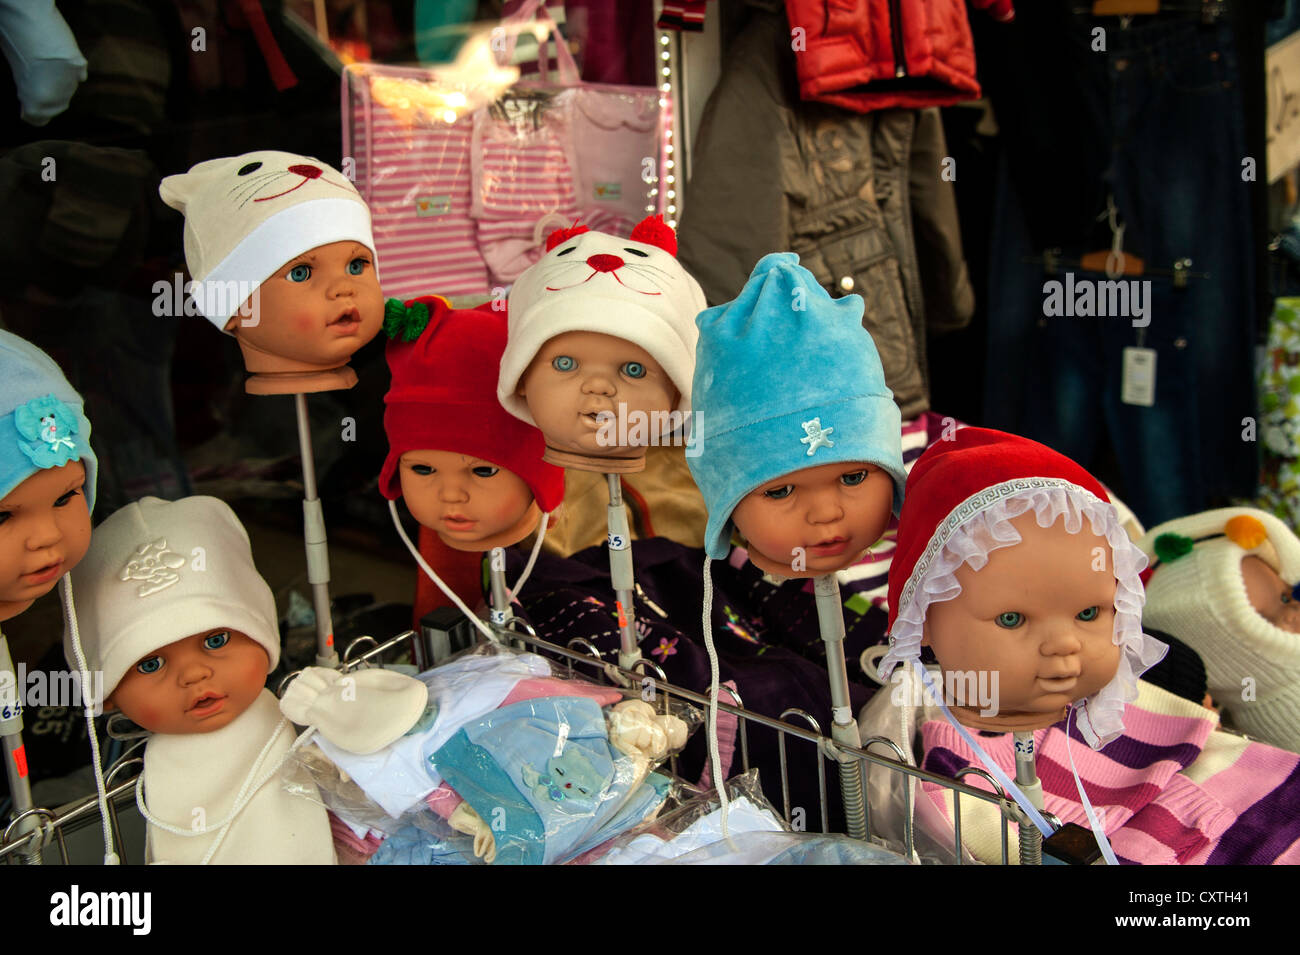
443,396
951,473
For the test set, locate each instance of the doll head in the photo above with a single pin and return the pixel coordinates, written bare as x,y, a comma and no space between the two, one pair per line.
468,471
1012,562
1223,582
602,344
281,252
803,458
175,615
47,475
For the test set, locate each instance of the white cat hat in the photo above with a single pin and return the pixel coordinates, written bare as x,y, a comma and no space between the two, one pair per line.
633,289
246,216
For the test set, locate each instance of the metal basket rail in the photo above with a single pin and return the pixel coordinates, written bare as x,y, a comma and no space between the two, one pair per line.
596,665
579,656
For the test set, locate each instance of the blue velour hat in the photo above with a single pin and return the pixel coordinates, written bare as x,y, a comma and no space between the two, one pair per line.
42,424
786,378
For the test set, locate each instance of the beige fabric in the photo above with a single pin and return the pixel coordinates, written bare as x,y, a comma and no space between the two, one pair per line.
676,507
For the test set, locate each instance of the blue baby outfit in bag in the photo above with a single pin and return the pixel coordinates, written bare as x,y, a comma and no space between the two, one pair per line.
542,774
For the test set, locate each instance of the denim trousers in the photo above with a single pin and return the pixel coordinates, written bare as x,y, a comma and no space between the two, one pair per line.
1155,122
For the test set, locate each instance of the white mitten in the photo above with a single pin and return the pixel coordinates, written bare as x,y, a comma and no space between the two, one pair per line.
465,819
361,712
43,55
634,727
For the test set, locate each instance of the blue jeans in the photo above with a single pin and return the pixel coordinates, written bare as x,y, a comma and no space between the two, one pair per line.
1160,129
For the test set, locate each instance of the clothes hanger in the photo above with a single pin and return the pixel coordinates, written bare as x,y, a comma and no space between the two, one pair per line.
1124,8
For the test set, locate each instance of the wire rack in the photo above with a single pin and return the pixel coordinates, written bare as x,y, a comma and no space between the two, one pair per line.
42,835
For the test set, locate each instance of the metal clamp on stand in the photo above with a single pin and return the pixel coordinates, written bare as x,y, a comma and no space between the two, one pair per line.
844,728
619,539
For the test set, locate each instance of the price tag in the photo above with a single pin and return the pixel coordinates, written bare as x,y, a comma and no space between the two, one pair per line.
1138,385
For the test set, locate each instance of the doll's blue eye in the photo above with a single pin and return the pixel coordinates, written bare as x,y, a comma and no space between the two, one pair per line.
1010,620
563,363
215,641
485,471
300,273
1089,614
358,266
853,479
423,470
65,498
779,493
634,369
152,665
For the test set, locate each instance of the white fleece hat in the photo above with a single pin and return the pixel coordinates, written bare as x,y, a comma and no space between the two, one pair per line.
158,571
633,289
1197,593
246,216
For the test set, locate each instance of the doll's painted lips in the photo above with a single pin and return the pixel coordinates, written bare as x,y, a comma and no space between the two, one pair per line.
45,574
207,705
458,522
830,548
1063,684
347,323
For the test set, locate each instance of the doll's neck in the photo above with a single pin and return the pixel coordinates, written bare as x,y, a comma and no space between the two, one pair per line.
277,375
1007,722
605,465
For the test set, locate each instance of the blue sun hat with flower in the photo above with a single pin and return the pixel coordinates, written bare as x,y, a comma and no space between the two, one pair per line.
42,422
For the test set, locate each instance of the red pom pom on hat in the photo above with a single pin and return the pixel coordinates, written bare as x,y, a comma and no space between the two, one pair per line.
652,230
563,235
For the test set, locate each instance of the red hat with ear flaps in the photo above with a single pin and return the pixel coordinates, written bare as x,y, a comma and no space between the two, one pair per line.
444,363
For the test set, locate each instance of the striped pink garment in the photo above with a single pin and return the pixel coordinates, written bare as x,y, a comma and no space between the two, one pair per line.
521,189
416,179
1174,789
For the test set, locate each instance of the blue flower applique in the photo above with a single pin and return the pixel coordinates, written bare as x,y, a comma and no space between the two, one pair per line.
47,431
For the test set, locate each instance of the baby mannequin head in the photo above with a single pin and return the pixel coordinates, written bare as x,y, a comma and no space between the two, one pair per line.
468,471
1041,614
805,460
47,475
281,252
175,615
1012,564
601,345
1223,582
197,684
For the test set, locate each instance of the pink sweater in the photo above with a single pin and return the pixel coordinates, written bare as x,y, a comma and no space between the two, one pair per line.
1174,788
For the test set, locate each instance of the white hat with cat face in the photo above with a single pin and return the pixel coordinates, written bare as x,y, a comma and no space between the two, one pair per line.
246,216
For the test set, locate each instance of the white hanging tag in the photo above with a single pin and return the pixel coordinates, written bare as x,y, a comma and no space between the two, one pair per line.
1138,386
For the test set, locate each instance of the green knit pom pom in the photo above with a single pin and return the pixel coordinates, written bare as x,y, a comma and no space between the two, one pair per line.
405,322
1172,546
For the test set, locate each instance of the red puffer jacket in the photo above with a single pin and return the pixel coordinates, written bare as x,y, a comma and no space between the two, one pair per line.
866,55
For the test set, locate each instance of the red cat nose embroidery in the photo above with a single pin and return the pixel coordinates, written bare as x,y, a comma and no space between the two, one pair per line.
604,262
310,172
